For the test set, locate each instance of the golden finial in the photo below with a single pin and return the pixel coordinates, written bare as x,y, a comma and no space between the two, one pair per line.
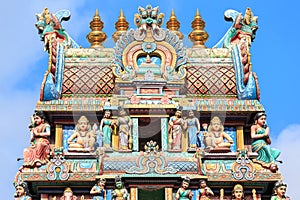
121,26
198,36
173,25
96,37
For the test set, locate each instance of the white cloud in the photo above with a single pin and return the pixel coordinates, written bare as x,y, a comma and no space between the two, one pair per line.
288,141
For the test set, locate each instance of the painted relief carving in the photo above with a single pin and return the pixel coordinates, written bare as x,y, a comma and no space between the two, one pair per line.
38,153
214,139
260,133
84,137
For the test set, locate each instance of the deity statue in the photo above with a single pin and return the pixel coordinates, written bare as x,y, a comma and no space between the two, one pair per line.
37,154
183,193
176,127
279,191
84,135
124,123
193,129
215,137
68,195
98,190
22,192
260,133
204,192
106,129
238,192
120,193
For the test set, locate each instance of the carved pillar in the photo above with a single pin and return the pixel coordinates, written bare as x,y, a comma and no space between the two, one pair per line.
135,134
164,134
58,135
133,193
184,141
169,193
240,138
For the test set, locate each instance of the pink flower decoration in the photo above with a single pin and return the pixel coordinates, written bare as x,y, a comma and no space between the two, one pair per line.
204,126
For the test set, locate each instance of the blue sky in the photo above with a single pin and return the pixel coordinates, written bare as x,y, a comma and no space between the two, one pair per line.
274,57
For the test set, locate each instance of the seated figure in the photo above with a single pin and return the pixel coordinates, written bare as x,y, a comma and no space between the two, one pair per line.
37,154
84,135
68,195
214,138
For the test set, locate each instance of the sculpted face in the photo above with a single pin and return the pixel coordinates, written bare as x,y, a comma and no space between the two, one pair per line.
191,114
238,194
20,191
262,120
185,185
202,184
178,113
216,126
107,114
83,126
281,191
37,120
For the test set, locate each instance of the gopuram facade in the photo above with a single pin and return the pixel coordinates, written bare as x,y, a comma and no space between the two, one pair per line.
150,118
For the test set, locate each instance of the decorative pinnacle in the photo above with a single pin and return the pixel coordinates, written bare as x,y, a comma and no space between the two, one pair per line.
96,37
173,25
198,36
121,26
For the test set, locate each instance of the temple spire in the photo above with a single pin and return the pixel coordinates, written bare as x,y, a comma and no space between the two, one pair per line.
173,25
121,26
96,37
198,36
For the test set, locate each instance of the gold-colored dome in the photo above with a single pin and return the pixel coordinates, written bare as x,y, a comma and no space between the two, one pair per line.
198,36
173,25
96,37
121,26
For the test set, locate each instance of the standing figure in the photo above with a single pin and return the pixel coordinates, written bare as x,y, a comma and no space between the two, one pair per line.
183,193
279,191
124,123
37,154
193,127
106,129
68,195
214,139
238,192
177,125
22,192
84,135
98,190
260,134
120,193
204,191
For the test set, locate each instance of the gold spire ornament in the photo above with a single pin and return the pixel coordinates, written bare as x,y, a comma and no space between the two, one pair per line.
173,25
198,36
96,37
121,26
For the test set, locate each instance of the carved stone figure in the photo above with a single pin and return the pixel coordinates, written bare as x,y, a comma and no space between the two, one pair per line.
106,128
84,135
124,123
37,154
193,129
183,193
204,192
279,191
260,134
98,190
215,137
176,127
22,192
68,195
120,193
238,192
